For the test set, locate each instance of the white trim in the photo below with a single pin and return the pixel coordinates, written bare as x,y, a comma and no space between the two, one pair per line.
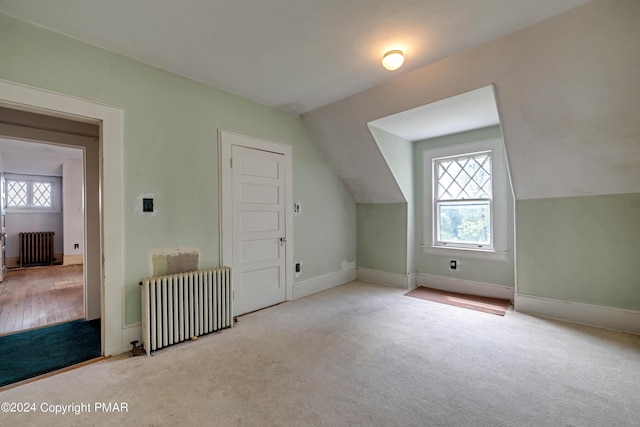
465,286
616,319
323,282
466,253
412,281
385,278
226,140
15,95
74,259
131,333
499,203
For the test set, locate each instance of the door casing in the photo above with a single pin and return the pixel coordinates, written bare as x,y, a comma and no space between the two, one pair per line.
111,146
226,140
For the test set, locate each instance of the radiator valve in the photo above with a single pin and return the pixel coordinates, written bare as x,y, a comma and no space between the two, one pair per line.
136,349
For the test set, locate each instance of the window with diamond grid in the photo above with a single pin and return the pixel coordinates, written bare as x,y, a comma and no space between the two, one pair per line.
16,193
31,192
463,199
42,194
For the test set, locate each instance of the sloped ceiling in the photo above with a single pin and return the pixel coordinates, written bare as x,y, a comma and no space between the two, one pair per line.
565,72
568,95
291,54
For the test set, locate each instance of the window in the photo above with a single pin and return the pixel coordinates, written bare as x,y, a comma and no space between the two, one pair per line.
32,193
464,200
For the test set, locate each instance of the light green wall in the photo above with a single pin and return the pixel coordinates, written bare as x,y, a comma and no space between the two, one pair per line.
389,234
382,237
171,150
487,271
582,249
398,153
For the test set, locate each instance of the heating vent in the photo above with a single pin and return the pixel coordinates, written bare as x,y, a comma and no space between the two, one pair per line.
181,306
36,248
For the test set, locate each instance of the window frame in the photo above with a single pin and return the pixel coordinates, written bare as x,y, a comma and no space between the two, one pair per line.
498,205
437,202
56,186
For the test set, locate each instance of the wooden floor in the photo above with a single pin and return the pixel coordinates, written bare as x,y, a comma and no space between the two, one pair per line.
40,296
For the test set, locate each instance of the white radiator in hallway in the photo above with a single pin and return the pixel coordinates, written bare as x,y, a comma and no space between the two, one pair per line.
181,306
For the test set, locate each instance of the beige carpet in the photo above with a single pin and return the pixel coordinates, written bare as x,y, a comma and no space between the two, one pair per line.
361,355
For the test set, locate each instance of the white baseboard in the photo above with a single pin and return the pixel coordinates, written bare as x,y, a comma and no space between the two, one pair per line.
465,286
413,281
395,280
323,282
14,261
131,333
73,259
585,314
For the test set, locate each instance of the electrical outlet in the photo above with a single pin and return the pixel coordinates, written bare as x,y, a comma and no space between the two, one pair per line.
298,267
454,264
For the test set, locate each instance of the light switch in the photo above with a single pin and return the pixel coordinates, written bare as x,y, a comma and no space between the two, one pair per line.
147,205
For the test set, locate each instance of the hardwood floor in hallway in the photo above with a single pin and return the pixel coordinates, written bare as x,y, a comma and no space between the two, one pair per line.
39,296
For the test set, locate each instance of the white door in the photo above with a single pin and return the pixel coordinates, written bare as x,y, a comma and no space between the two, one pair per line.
259,231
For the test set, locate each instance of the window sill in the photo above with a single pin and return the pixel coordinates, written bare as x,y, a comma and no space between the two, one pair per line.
21,211
467,253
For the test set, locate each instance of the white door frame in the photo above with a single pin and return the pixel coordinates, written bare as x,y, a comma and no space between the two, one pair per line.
18,96
226,140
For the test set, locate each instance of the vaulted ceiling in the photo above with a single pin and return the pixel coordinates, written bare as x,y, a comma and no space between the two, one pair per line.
296,55
568,98
564,71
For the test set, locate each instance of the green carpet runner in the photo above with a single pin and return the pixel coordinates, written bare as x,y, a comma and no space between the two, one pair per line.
28,354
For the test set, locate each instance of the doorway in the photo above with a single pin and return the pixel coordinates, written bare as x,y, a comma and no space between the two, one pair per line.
256,222
111,197
50,165
63,154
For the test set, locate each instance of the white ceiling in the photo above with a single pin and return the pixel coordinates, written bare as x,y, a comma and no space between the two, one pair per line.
471,110
35,158
568,98
296,55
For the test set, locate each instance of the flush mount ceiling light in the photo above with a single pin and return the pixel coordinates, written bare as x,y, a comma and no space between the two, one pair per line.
393,60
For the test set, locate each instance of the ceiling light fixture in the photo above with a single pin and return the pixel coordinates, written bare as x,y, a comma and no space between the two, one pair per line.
393,60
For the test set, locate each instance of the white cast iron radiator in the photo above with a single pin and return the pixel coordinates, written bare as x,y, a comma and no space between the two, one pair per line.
181,306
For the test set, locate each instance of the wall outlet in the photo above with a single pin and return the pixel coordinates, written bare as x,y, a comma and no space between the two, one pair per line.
298,267
454,264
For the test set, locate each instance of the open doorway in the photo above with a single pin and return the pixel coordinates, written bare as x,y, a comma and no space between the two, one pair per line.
44,234
110,200
43,225
61,156
50,169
